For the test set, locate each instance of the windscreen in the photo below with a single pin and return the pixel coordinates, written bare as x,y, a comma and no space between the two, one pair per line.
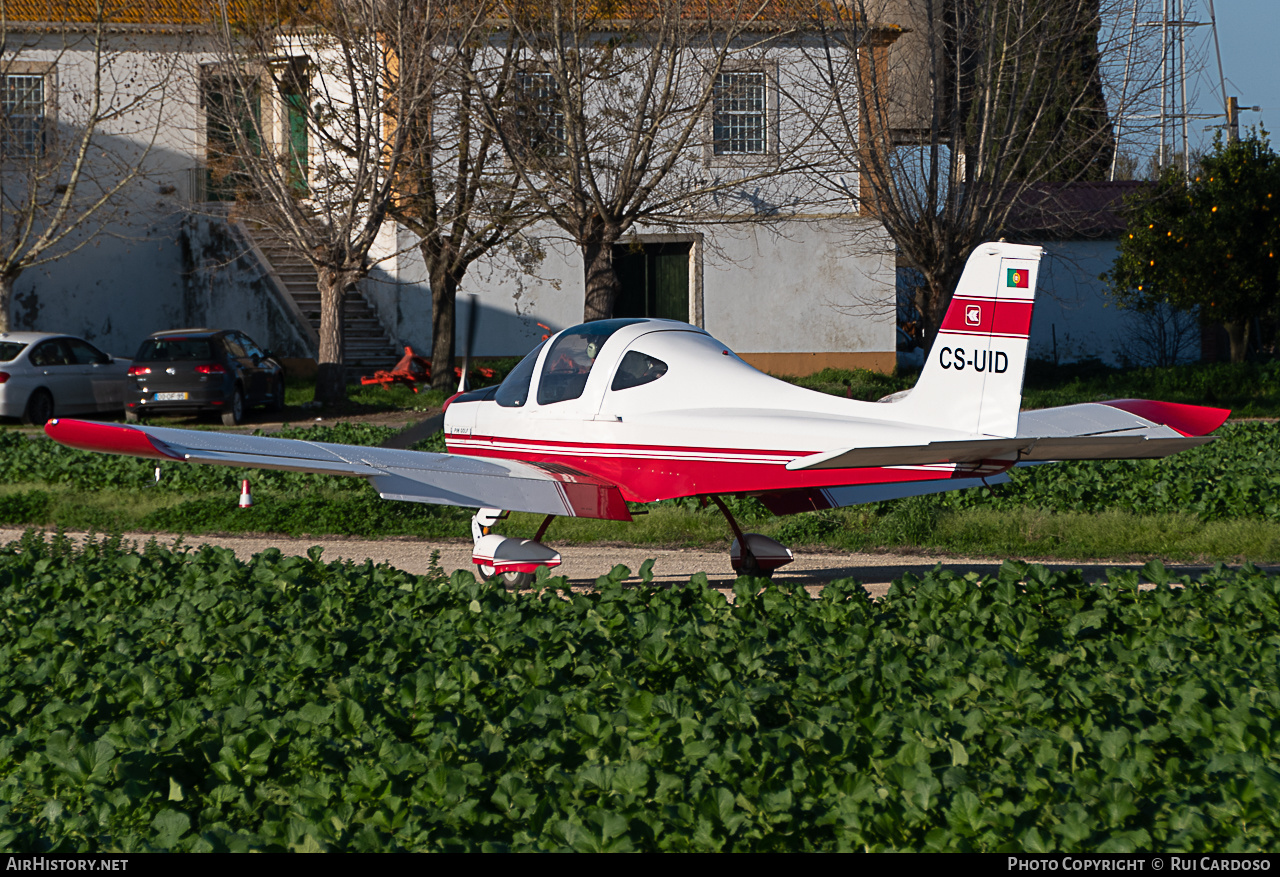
571,358
514,391
176,350
9,350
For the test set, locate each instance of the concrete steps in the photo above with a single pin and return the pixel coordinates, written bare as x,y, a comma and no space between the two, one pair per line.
366,346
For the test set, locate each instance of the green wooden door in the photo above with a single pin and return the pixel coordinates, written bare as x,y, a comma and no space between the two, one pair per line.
296,103
655,281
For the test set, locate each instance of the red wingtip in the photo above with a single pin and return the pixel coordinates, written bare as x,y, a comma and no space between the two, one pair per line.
108,438
1187,419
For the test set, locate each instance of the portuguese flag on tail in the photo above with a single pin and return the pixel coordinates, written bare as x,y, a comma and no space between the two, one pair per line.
1018,278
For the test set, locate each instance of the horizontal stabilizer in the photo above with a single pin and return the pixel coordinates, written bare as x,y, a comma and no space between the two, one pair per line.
913,455
1127,429
1109,447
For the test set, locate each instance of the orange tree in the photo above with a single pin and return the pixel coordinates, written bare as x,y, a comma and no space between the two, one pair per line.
1209,242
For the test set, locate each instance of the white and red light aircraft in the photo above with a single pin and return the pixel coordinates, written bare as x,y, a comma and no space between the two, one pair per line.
638,410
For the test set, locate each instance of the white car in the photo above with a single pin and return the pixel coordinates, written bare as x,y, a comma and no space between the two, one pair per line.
44,376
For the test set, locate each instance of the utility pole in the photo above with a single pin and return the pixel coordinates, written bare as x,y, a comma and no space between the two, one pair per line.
1233,118
1174,115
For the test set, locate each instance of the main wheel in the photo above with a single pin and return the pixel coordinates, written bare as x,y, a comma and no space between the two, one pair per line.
39,408
234,412
512,581
749,567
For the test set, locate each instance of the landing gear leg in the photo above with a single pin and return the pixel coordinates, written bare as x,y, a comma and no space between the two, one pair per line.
752,554
482,522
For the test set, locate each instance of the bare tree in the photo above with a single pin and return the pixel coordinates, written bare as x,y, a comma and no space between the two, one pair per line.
307,96
457,193
72,144
976,106
615,120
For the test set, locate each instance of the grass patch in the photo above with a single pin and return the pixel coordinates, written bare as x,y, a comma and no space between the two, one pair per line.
365,398
322,512
919,523
666,525
867,386
1113,534
101,511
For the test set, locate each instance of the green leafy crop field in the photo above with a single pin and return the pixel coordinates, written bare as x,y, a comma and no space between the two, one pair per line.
184,700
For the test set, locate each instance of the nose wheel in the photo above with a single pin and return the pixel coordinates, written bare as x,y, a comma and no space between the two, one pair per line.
511,561
512,581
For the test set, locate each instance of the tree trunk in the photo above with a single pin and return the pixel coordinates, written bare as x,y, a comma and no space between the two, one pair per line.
932,301
603,284
444,308
331,379
7,282
1238,335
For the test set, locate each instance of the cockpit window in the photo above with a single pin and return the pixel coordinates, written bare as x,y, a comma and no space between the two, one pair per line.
636,369
514,391
571,358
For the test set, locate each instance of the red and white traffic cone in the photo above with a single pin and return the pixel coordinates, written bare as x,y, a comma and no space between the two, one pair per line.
246,498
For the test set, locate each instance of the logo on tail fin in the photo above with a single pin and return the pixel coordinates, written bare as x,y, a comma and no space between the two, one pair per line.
1018,278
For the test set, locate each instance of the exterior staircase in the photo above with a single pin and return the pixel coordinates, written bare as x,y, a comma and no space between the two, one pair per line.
366,346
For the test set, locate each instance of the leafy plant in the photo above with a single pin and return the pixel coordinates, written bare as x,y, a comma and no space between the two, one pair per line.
185,700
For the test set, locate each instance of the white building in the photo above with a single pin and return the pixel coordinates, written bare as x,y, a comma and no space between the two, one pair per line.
792,295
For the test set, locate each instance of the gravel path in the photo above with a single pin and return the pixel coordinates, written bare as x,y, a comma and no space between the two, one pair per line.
583,564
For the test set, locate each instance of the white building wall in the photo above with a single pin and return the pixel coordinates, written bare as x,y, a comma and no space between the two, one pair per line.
150,260
1076,319
793,295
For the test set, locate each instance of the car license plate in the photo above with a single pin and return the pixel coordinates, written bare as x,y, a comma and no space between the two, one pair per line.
169,397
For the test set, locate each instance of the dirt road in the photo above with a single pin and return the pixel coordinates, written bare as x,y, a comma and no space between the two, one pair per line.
583,564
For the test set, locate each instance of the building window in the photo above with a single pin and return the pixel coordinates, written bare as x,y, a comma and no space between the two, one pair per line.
740,113
23,125
233,122
540,119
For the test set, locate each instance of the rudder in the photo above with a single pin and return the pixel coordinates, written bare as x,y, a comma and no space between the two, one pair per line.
972,380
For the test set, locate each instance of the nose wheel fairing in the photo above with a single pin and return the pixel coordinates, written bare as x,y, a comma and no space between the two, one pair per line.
513,560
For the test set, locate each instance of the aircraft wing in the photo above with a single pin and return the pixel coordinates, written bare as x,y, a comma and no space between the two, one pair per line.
1123,429
414,476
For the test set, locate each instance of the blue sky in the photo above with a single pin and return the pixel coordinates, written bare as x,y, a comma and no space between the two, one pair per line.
1249,33
1249,36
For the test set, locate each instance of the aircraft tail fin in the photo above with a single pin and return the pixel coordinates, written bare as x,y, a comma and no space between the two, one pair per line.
972,379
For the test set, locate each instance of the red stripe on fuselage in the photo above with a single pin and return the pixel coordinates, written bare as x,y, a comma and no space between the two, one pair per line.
644,475
988,316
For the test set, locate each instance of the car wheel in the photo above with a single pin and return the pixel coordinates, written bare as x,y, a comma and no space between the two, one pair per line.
234,412
39,408
277,396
